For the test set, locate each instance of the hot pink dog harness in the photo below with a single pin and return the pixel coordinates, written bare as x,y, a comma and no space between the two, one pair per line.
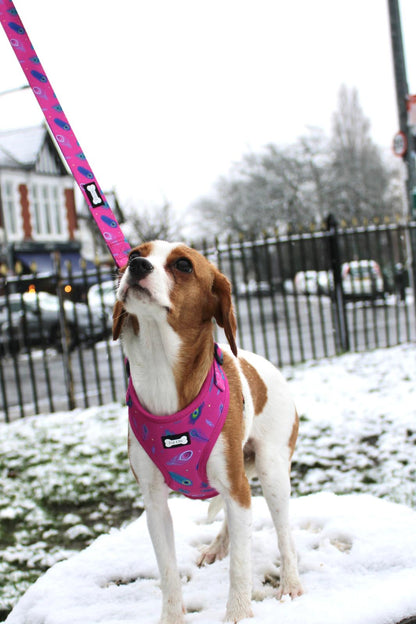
180,444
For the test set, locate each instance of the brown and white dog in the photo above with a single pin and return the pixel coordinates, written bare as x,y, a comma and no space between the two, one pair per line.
167,298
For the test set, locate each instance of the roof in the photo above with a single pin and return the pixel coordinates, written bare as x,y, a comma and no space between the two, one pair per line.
20,148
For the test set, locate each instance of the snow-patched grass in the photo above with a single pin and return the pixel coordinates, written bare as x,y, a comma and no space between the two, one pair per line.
65,480
65,477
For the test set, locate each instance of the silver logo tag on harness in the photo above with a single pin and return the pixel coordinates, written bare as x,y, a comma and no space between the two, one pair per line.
181,439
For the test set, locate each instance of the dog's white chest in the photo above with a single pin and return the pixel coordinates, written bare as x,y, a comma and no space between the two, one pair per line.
151,357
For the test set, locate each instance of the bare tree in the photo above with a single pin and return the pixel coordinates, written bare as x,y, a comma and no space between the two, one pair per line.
360,178
151,222
278,185
345,175
242,203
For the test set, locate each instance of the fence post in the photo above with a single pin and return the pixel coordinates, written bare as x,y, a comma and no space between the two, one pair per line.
341,322
412,235
66,356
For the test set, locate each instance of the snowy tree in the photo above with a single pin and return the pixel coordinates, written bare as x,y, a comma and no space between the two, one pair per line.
360,178
265,189
345,174
147,223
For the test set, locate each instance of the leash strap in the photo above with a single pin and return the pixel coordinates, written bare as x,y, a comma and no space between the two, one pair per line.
62,131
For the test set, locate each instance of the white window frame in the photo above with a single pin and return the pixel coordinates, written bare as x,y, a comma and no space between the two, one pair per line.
47,209
12,217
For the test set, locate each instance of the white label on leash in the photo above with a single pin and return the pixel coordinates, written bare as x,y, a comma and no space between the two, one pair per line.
93,194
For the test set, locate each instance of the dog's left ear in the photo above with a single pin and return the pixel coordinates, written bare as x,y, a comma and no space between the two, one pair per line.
119,316
224,312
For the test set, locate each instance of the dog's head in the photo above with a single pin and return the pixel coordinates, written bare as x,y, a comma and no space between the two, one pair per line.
177,282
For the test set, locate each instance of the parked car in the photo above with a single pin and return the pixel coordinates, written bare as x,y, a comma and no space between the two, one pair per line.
12,303
362,279
254,288
34,319
102,294
313,282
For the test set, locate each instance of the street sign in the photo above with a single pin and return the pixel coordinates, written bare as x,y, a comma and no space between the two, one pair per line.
399,144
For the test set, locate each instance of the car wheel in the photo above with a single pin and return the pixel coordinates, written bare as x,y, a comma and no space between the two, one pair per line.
56,337
15,341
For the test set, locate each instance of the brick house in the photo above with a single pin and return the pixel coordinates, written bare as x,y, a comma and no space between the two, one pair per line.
37,202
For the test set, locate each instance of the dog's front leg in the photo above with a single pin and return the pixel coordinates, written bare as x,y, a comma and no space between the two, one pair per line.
239,597
159,521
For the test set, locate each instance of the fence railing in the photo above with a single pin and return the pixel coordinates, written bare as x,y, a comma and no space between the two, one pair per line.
298,296
301,296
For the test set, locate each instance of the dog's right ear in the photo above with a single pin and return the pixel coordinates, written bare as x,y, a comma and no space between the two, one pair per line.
119,317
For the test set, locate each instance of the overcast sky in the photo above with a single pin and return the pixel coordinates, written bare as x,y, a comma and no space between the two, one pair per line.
164,95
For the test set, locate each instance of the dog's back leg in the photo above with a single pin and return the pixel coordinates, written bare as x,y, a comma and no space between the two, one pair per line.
217,549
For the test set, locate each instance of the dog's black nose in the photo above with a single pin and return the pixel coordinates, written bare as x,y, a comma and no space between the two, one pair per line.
140,267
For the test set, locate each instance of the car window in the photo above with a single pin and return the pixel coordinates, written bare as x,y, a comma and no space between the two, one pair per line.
105,287
43,300
360,271
15,305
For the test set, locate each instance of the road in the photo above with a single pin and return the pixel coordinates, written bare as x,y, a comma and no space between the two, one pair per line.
42,382
291,329
285,329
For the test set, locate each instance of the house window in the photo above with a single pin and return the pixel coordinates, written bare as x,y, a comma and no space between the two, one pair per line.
46,210
10,209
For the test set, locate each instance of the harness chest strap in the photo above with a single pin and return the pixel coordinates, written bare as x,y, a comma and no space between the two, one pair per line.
180,444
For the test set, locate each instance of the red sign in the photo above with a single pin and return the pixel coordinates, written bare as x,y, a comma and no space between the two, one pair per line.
411,110
399,144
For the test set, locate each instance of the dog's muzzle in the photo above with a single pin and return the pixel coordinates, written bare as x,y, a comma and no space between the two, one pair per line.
140,268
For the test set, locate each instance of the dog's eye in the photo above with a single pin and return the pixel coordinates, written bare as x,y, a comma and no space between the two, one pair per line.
184,265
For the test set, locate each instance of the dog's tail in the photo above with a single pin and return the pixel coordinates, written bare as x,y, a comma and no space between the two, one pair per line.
217,503
214,508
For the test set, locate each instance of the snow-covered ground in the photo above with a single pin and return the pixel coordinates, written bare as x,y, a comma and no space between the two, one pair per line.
355,558
356,543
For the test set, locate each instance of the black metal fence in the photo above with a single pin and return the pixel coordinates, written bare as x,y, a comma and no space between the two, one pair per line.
298,296
309,295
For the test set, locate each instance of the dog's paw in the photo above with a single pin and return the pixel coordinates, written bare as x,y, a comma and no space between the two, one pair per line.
215,551
292,588
237,612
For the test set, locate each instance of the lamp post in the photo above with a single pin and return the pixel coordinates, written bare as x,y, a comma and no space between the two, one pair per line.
402,94
14,89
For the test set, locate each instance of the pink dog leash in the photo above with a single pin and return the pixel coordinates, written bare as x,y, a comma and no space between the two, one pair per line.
61,130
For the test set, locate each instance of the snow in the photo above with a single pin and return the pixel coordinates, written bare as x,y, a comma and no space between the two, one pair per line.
355,556
351,515
21,146
358,424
